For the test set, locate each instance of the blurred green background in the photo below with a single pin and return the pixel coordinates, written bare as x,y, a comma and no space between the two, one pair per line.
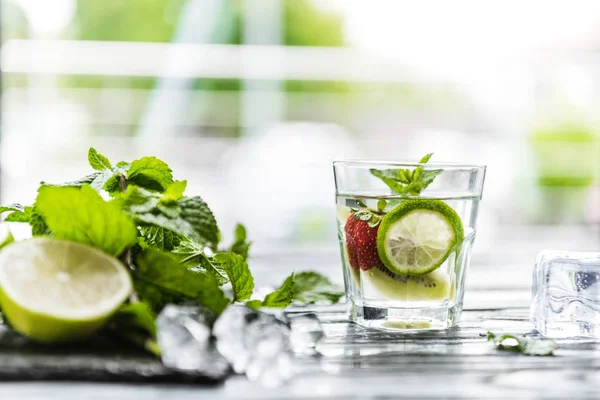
365,82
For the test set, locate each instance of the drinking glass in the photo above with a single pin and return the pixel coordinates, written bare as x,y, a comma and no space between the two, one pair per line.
406,231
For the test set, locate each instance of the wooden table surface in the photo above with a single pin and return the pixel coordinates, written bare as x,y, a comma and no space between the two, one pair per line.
358,363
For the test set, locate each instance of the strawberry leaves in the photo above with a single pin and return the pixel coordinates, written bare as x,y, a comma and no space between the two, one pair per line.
371,217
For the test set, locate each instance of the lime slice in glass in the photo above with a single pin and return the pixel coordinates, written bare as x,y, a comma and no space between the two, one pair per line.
54,290
418,236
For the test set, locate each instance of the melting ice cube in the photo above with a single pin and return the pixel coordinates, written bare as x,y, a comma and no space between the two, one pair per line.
566,294
255,343
185,340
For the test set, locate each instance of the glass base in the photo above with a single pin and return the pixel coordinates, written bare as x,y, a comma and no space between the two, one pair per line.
404,319
567,329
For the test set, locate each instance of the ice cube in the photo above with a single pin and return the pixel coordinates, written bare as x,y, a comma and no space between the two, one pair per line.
566,294
185,340
306,332
256,343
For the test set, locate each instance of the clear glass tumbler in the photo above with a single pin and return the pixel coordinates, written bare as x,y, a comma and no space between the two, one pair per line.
406,231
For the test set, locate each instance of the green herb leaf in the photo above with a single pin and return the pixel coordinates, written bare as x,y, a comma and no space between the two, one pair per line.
425,158
12,207
86,180
174,192
81,215
106,180
164,270
150,173
98,161
154,296
405,182
255,304
283,296
381,204
312,287
160,238
18,213
239,274
38,225
136,316
187,248
20,216
241,245
211,266
523,344
189,217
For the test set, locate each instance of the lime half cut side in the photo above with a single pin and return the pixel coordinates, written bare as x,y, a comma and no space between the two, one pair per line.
418,236
54,290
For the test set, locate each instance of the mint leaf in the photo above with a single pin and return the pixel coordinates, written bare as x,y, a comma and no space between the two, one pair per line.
160,238
86,180
241,245
38,225
136,316
255,304
312,287
522,344
154,296
100,181
239,274
110,179
200,219
18,213
211,266
192,254
81,215
12,207
426,177
20,216
164,270
425,158
187,248
283,296
150,173
174,192
98,161
189,217
397,187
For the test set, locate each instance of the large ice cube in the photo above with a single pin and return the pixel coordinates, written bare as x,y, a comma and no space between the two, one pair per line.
255,343
566,294
185,340
306,332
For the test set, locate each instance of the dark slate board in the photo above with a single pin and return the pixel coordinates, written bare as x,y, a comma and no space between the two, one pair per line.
95,360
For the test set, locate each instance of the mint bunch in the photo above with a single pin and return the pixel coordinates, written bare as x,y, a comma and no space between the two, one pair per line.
170,242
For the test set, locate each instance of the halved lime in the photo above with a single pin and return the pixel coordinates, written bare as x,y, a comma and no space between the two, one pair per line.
418,236
54,290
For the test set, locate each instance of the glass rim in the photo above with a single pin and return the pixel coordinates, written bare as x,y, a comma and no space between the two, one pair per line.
442,165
